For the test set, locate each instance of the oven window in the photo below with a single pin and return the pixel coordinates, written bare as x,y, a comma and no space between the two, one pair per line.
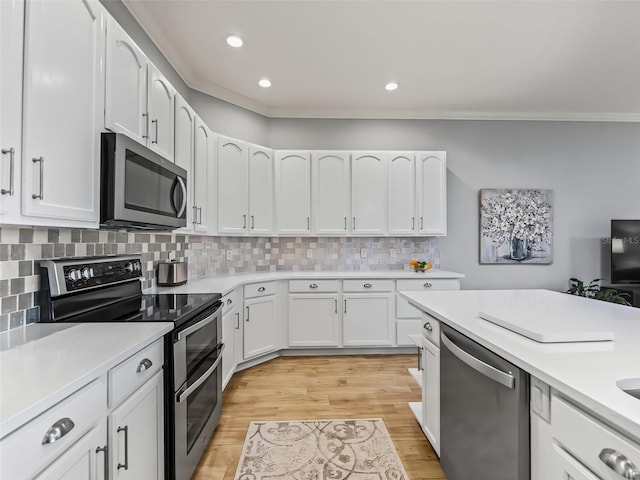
200,345
200,405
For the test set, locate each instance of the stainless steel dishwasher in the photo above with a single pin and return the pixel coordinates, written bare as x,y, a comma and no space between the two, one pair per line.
484,412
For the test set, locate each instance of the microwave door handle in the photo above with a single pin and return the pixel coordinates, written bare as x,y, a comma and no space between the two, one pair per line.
184,196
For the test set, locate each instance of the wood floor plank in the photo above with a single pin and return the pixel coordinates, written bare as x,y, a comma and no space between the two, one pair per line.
327,387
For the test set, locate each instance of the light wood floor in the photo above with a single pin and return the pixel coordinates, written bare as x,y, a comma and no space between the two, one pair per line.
308,388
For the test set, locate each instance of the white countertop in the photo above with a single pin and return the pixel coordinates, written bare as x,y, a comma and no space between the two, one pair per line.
584,371
43,363
226,283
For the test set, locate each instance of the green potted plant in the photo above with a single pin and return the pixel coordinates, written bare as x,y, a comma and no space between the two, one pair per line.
593,290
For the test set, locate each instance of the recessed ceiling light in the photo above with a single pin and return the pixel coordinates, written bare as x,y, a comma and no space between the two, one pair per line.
391,86
234,41
265,83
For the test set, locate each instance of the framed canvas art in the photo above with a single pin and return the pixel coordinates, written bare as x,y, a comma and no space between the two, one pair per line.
516,226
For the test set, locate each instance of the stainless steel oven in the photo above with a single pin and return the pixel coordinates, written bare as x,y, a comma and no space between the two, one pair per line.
197,395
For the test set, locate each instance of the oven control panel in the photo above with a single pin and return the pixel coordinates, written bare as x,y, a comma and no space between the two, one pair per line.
78,276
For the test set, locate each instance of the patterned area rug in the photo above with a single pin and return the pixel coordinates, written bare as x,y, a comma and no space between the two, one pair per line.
319,450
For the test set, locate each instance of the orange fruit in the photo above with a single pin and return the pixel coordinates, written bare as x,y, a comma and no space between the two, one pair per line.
413,262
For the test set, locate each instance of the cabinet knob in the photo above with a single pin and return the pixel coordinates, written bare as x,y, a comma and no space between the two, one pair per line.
229,301
367,285
428,327
145,364
620,464
313,285
58,430
427,285
261,289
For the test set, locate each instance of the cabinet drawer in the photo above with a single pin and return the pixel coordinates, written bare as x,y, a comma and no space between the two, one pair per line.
259,289
128,376
314,286
23,454
427,284
367,285
230,300
594,437
431,328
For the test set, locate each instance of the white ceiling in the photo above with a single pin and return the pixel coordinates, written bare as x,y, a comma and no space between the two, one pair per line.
507,59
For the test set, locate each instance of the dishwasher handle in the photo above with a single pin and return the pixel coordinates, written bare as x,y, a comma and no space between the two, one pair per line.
503,378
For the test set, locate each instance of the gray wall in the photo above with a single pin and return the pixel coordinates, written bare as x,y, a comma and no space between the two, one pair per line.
593,168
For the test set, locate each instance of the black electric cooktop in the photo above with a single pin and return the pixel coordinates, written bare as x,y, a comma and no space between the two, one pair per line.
171,307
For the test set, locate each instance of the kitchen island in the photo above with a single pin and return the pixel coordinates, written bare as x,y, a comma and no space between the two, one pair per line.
583,375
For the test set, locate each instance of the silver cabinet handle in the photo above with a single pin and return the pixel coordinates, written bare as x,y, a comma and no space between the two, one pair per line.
308,223
194,220
313,285
12,152
420,367
336,300
247,317
367,285
487,370
156,122
619,463
345,223
183,187
413,223
345,306
229,301
58,430
145,364
244,221
354,223
261,289
428,327
253,223
237,320
105,450
125,465
39,160
146,121
199,215
427,285
421,223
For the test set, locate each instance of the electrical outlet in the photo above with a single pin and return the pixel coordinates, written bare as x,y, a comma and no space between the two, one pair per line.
363,253
309,253
392,252
229,255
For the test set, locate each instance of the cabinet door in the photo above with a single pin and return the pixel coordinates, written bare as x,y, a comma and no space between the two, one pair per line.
261,179
11,43
331,200
432,193
228,337
565,467
402,193
293,192
136,434
126,85
160,108
367,319
202,158
185,122
259,326
63,92
369,194
85,460
431,394
233,194
314,320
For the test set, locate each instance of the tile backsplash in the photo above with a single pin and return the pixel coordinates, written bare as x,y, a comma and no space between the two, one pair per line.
22,248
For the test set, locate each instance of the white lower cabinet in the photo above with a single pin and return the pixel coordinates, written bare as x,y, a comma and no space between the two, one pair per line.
136,434
314,320
260,322
367,318
231,336
431,393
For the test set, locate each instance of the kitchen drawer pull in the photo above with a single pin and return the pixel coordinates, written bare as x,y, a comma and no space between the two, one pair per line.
12,152
620,464
125,465
428,327
229,301
261,289
58,430
367,285
105,449
427,285
40,195
145,364
313,285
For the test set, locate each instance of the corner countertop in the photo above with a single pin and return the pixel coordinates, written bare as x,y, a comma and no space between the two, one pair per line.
224,284
586,372
43,363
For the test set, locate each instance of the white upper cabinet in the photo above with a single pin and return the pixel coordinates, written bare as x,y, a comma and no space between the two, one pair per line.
11,44
62,109
184,123
203,154
432,193
293,192
126,85
233,194
139,99
331,202
369,193
402,193
260,190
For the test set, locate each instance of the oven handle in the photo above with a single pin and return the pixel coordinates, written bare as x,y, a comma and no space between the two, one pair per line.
183,395
199,325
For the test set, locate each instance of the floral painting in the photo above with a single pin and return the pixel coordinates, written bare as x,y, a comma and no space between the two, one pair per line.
516,226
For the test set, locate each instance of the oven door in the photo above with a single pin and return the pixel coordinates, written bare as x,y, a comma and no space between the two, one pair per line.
198,406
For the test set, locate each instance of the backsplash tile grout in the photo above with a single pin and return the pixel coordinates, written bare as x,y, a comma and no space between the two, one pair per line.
21,249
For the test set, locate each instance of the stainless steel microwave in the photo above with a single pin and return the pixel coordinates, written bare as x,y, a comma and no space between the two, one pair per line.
139,188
